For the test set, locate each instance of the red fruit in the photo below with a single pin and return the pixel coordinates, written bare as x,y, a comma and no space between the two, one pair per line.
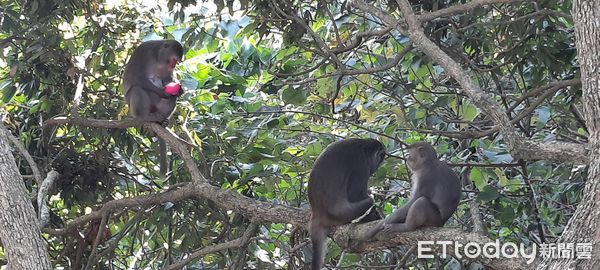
172,88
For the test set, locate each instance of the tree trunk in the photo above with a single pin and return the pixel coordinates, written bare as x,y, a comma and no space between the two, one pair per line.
19,231
584,227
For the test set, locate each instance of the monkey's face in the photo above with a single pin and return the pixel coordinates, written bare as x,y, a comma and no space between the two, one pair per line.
377,159
170,54
420,155
414,159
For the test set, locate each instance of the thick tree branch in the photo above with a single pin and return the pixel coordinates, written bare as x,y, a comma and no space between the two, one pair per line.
356,231
461,9
42,197
140,202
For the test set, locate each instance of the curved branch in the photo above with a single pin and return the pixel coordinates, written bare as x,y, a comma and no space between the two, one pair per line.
42,197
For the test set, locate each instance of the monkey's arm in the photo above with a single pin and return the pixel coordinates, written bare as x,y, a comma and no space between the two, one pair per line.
147,85
346,211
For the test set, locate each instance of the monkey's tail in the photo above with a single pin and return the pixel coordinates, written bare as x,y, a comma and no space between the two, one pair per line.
318,237
162,148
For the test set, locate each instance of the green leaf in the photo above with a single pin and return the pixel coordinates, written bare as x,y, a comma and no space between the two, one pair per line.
294,96
488,193
477,177
8,90
469,112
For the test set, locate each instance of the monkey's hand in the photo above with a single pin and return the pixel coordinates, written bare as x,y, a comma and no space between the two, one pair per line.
388,228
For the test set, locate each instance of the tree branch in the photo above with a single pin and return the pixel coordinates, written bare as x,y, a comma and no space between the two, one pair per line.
238,242
461,9
42,197
455,236
258,212
520,147
21,149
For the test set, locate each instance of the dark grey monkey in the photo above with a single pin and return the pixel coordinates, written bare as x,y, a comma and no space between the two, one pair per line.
338,189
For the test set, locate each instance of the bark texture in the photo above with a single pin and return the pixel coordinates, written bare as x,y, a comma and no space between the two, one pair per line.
584,227
19,230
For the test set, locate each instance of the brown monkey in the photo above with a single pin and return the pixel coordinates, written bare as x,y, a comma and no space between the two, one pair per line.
436,192
338,191
145,80
149,69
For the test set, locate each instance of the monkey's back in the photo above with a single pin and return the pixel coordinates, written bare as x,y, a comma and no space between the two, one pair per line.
445,190
339,166
139,58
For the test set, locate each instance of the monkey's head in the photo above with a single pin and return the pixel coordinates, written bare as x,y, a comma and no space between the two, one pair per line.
419,155
375,152
169,53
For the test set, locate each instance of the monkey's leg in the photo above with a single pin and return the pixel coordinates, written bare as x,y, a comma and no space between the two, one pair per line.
165,107
140,104
421,213
398,216
345,211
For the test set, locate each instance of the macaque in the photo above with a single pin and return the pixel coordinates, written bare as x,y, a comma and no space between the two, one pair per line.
436,192
149,86
338,189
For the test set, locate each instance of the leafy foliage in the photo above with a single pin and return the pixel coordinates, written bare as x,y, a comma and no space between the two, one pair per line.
270,85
